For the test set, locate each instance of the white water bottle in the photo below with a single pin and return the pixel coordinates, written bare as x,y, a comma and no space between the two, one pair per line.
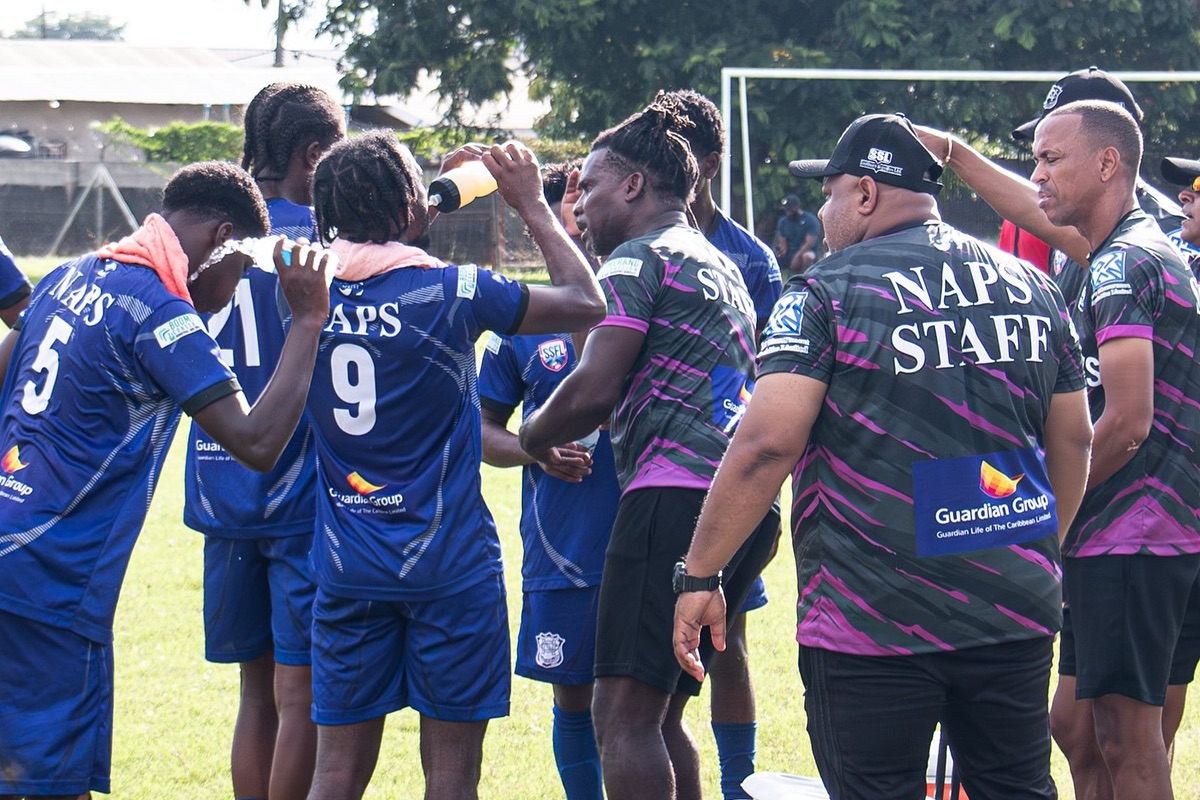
263,252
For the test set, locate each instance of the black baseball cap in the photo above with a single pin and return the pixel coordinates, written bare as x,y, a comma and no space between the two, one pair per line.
1179,171
881,146
1085,84
790,200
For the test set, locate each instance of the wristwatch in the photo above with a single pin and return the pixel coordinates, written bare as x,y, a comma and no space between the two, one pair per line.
682,582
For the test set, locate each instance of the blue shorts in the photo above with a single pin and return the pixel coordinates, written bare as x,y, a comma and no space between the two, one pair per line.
757,597
557,643
56,710
258,598
446,658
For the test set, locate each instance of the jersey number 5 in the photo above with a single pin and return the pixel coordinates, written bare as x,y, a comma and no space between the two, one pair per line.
35,400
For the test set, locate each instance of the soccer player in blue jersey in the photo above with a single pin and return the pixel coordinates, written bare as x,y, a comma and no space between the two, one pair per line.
566,520
106,356
410,608
734,715
14,288
258,527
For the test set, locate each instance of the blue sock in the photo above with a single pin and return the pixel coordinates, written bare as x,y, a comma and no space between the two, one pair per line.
735,751
576,755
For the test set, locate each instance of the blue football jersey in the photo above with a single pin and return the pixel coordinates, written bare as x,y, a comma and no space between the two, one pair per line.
222,497
105,359
565,527
14,286
754,260
395,406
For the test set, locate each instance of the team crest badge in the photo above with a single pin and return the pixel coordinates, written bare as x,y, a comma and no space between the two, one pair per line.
549,650
1060,261
553,354
1108,268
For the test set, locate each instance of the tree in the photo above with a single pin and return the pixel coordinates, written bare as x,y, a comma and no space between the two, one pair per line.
286,15
599,60
97,27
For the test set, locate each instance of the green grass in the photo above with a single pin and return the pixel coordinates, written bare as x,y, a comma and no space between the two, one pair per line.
174,711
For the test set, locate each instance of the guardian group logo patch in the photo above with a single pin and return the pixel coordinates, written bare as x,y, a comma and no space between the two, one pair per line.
12,461
995,483
361,484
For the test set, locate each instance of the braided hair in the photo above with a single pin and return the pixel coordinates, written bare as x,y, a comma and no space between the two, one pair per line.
707,131
283,117
369,189
215,190
649,142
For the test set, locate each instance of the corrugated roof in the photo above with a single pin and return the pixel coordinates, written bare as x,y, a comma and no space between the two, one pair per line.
114,72
44,70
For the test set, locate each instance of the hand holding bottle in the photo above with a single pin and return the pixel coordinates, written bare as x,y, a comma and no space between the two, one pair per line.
518,175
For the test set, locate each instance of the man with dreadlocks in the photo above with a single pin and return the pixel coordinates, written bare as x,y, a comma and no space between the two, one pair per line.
672,364
731,696
410,608
258,527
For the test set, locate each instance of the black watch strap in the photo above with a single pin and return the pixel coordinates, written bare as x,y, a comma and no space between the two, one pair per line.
682,582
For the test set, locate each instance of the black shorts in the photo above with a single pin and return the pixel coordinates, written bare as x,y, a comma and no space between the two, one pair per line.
871,720
1131,625
652,531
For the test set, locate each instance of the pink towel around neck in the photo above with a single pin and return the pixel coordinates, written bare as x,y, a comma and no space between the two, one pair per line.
156,246
358,261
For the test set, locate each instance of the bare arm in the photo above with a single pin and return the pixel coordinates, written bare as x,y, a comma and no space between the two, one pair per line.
256,436
501,448
1127,373
586,397
6,350
9,315
1068,451
1011,196
574,301
768,443
500,445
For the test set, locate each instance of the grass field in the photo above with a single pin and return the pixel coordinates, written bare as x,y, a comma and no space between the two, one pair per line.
174,711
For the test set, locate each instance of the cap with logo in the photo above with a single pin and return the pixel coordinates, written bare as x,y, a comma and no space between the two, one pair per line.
881,146
791,200
1084,84
1179,171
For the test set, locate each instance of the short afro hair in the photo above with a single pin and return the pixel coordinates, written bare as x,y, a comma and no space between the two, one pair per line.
555,177
215,190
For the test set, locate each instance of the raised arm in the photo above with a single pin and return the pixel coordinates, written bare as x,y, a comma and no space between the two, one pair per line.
1011,196
574,301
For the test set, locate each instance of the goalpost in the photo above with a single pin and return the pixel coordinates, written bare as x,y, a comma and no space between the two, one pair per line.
742,74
